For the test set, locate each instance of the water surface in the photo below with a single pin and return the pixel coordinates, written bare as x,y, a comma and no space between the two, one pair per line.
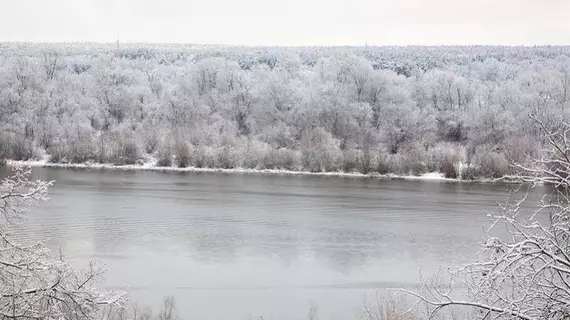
248,246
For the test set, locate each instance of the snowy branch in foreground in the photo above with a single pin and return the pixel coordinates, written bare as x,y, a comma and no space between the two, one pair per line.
33,285
523,268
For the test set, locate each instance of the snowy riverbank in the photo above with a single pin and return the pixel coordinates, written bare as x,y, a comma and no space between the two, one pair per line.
151,166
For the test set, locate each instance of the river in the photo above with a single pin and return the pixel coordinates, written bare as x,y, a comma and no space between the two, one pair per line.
239,246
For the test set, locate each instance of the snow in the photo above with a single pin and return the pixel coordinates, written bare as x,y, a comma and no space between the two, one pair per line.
149,165
433,176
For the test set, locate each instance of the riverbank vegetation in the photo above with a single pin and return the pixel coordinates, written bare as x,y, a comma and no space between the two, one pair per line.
520,274
461,111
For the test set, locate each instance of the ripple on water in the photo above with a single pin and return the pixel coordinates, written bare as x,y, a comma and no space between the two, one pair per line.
224,237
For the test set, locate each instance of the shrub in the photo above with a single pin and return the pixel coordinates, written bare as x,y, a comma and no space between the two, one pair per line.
4,149
319,151
57,153
288,159
182,152
226,158
21,149
254,154
205,157
271,159
519,149
350,160
448,168
102,149
200,160
383,164
80,151
365,165
494,165
486,163
126,152
469,173
164,156
281,158
387,306
412,161
446,158
150,142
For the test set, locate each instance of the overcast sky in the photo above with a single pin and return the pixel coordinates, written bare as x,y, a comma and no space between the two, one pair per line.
289,22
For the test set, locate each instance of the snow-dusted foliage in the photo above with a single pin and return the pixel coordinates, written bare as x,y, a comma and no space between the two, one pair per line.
33,283
313,109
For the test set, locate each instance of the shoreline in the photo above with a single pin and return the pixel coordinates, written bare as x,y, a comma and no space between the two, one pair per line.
150,166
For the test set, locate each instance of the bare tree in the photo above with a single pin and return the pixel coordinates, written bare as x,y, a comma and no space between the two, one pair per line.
168,310
33,285
523,269
385,305
50,63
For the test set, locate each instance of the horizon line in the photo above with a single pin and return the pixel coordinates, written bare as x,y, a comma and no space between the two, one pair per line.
366,45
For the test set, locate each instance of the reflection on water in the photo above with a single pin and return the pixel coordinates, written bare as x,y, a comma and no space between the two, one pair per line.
243,246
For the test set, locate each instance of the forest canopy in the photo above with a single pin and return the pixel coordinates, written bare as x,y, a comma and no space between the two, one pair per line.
462,111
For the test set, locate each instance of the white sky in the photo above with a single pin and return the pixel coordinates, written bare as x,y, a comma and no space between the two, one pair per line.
289,22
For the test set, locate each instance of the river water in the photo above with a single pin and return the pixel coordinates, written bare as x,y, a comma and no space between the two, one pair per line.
233,246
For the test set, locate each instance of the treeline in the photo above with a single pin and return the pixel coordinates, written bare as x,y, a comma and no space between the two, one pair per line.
463,111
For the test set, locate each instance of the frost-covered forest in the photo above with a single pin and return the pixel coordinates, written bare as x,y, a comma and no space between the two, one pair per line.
463,111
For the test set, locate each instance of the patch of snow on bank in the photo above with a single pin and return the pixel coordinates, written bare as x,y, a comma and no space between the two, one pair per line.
432,176
150,165
44,161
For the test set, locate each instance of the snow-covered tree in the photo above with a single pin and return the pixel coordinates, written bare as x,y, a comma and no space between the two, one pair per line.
91,103
35,283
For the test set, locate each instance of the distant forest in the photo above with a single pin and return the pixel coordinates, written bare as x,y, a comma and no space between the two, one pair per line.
464,111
